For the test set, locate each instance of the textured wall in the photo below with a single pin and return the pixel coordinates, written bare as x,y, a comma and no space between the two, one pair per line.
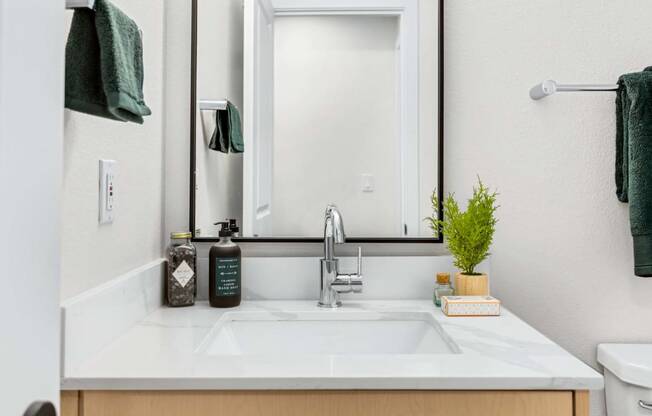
93,253
563,253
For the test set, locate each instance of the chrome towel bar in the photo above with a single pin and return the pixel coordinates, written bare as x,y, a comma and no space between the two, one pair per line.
212,104
645,405
550,87
80,4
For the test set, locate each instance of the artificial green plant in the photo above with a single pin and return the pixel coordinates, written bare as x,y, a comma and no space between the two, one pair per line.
469,233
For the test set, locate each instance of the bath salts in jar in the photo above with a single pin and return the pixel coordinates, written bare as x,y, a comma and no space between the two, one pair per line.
181,281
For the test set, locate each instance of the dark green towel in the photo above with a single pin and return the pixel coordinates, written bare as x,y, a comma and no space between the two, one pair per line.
634,161
104,64
228,131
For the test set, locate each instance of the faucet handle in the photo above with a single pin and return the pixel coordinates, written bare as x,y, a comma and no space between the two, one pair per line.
356,280
347,283
359,261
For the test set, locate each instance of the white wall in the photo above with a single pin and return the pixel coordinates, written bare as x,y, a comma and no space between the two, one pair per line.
93,253
563,252
219,76
336,118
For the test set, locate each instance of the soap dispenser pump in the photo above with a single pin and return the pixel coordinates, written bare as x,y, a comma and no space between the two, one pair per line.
233,225
225,274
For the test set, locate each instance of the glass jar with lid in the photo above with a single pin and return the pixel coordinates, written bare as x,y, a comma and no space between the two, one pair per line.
181,279
443,287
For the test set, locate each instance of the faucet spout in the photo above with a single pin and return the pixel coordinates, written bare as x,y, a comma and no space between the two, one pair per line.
333,231
332,281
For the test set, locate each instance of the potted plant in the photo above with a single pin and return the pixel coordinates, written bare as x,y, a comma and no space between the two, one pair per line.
468,236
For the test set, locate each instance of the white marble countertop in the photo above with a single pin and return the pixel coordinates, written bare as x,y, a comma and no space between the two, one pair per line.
160,353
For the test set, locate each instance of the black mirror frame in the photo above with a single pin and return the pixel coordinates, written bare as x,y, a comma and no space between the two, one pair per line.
440,152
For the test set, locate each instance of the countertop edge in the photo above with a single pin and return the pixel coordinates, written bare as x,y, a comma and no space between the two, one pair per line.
348,383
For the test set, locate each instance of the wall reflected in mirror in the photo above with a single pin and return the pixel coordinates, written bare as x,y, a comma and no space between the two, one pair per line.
336,105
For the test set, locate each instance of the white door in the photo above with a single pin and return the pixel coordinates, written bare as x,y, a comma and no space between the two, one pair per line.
258,117
32,40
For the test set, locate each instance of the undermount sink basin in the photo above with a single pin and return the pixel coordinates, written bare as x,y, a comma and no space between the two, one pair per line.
326,333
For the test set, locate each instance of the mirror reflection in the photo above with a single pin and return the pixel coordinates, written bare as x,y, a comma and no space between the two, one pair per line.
301,105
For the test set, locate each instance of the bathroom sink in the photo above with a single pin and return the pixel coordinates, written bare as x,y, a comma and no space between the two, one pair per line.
326,333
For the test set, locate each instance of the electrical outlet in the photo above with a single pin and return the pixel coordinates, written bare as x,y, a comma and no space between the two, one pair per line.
107,191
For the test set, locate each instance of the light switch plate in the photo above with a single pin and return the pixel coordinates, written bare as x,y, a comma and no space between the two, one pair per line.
107,191
368,182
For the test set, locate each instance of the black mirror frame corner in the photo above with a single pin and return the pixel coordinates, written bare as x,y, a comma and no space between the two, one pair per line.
440,152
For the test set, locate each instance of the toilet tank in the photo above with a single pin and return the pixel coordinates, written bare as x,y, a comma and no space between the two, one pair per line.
628,378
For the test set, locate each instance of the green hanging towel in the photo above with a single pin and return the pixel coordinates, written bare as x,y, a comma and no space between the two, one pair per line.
227,135
104,65
634,161
237,143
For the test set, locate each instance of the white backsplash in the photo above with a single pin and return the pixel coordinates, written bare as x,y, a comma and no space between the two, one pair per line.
283,278
92,319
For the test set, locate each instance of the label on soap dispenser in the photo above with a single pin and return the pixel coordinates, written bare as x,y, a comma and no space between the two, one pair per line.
227,275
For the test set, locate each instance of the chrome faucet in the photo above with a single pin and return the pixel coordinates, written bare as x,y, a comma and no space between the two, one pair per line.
332,281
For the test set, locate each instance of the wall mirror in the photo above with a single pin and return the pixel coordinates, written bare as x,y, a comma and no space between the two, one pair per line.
340,101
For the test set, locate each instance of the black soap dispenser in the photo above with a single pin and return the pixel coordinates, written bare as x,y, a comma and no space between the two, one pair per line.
233,225
225,273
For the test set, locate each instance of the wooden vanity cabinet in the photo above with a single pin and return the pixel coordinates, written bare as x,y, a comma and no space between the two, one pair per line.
325,403
70,403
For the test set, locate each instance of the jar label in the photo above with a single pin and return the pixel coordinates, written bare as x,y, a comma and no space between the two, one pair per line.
183,273
227,276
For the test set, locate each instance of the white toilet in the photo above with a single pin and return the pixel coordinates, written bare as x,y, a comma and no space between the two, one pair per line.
628,378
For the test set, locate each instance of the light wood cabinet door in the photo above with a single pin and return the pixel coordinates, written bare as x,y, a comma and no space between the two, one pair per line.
329,403
69,403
